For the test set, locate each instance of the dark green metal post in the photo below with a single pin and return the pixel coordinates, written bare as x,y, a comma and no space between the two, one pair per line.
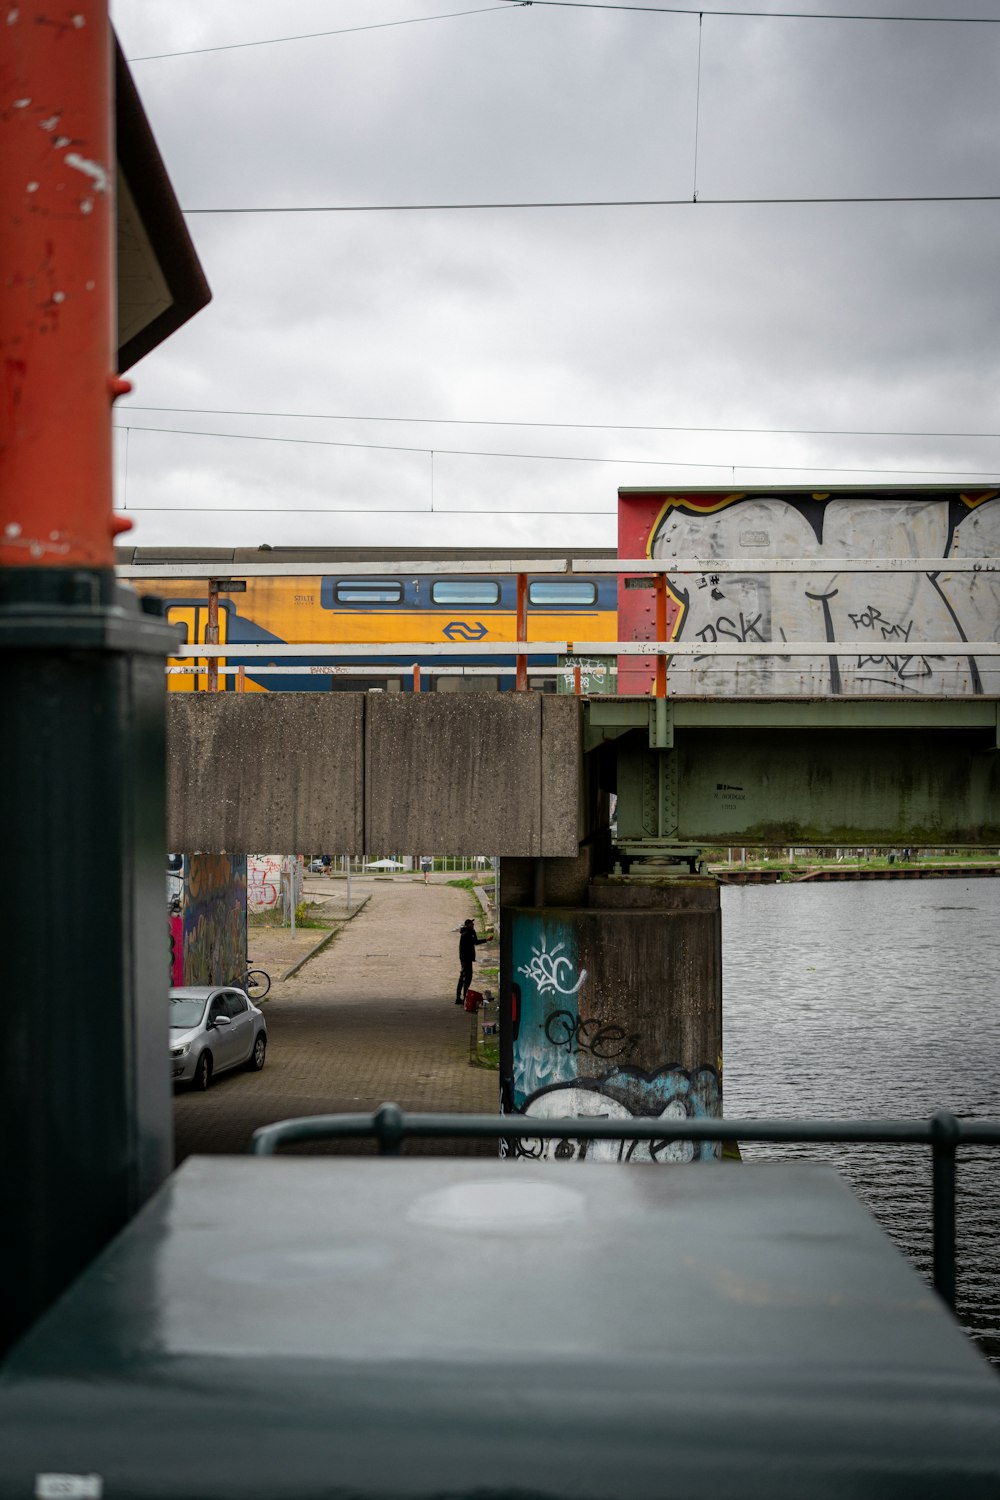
85,1124
388,1120
945,1135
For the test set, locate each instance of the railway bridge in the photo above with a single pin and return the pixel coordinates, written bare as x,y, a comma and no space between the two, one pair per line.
799,726
611,984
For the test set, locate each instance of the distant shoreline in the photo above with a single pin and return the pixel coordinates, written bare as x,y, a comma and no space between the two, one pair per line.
779,875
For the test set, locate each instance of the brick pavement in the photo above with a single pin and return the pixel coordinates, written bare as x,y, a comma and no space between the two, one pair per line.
371,1018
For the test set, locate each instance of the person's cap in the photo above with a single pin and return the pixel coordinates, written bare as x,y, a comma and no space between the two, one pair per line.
468,922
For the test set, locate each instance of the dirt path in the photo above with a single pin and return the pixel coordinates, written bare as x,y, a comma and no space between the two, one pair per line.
371,1018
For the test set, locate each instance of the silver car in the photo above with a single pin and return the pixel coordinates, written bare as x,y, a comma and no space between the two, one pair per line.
213,1027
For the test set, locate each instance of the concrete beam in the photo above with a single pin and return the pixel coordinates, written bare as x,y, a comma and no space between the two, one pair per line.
494,773
251,773
360,773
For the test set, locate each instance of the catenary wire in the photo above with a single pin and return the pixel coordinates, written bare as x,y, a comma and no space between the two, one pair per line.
326,416
308,36
669,10
571,458
386,208
772,15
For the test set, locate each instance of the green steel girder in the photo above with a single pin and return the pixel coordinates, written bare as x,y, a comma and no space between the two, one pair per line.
812,771
607,718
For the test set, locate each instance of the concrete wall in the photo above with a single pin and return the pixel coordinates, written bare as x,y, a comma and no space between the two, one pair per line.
252,771
356,773
614,1009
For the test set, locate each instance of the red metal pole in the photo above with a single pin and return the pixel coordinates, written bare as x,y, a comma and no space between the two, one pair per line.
57,290
521,679
416,677
86,1125
576,681
660,687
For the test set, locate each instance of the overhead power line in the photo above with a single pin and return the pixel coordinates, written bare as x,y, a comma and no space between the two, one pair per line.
668,10
770,15
326,416
356,510
254,437
308,36
699,202
569,458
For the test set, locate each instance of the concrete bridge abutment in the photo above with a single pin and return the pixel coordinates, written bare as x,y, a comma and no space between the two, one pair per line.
611,1001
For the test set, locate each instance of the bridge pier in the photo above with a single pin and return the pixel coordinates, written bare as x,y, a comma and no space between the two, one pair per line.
611,998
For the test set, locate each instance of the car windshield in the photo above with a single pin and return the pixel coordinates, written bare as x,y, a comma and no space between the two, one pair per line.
185,1012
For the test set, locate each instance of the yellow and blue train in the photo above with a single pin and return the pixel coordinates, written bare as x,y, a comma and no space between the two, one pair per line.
324,604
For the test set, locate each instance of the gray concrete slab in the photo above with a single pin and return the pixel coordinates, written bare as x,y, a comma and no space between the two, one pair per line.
478,773
563,816
374,774
248,772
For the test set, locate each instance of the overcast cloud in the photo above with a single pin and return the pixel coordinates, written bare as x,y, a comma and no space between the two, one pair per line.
865,316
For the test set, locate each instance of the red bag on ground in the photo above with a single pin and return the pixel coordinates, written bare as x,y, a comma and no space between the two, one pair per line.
473,999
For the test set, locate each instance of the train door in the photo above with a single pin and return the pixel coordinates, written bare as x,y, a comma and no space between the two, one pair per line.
193,619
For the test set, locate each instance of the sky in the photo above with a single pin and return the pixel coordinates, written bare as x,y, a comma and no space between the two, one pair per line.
491,376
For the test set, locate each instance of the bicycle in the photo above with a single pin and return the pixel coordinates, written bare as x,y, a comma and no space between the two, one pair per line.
256,983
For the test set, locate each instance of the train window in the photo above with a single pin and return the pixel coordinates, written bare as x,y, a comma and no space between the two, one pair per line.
367,591
561,592
465,591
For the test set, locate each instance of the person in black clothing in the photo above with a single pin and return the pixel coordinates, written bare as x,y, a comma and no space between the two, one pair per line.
467,941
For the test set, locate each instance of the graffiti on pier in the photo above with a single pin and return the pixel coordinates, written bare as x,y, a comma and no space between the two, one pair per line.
601,1039
671,1093
552,970
215,918
889,613
566,1054
545,957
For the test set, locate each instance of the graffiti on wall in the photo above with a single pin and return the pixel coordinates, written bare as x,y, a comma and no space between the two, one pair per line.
263,882
215,918
175,925
552,971
672,1093
885,616
564,1058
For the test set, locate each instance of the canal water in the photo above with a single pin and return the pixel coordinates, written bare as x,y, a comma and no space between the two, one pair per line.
873,999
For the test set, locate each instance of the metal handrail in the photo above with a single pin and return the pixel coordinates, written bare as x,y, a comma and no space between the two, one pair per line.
555,566
406,650
943,1133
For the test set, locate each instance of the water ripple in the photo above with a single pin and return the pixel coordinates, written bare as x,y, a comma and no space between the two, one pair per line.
875,999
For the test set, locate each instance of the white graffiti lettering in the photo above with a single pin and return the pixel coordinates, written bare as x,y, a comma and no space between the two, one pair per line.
552,971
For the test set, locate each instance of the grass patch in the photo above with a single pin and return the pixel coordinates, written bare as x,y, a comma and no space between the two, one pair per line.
307,914
463,885
270,918
488,1054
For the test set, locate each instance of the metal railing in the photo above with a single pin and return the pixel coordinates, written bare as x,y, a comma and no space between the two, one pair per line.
658,651
559,566
944,1133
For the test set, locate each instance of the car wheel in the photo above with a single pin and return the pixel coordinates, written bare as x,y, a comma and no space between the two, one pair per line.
256,1059
203,1072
